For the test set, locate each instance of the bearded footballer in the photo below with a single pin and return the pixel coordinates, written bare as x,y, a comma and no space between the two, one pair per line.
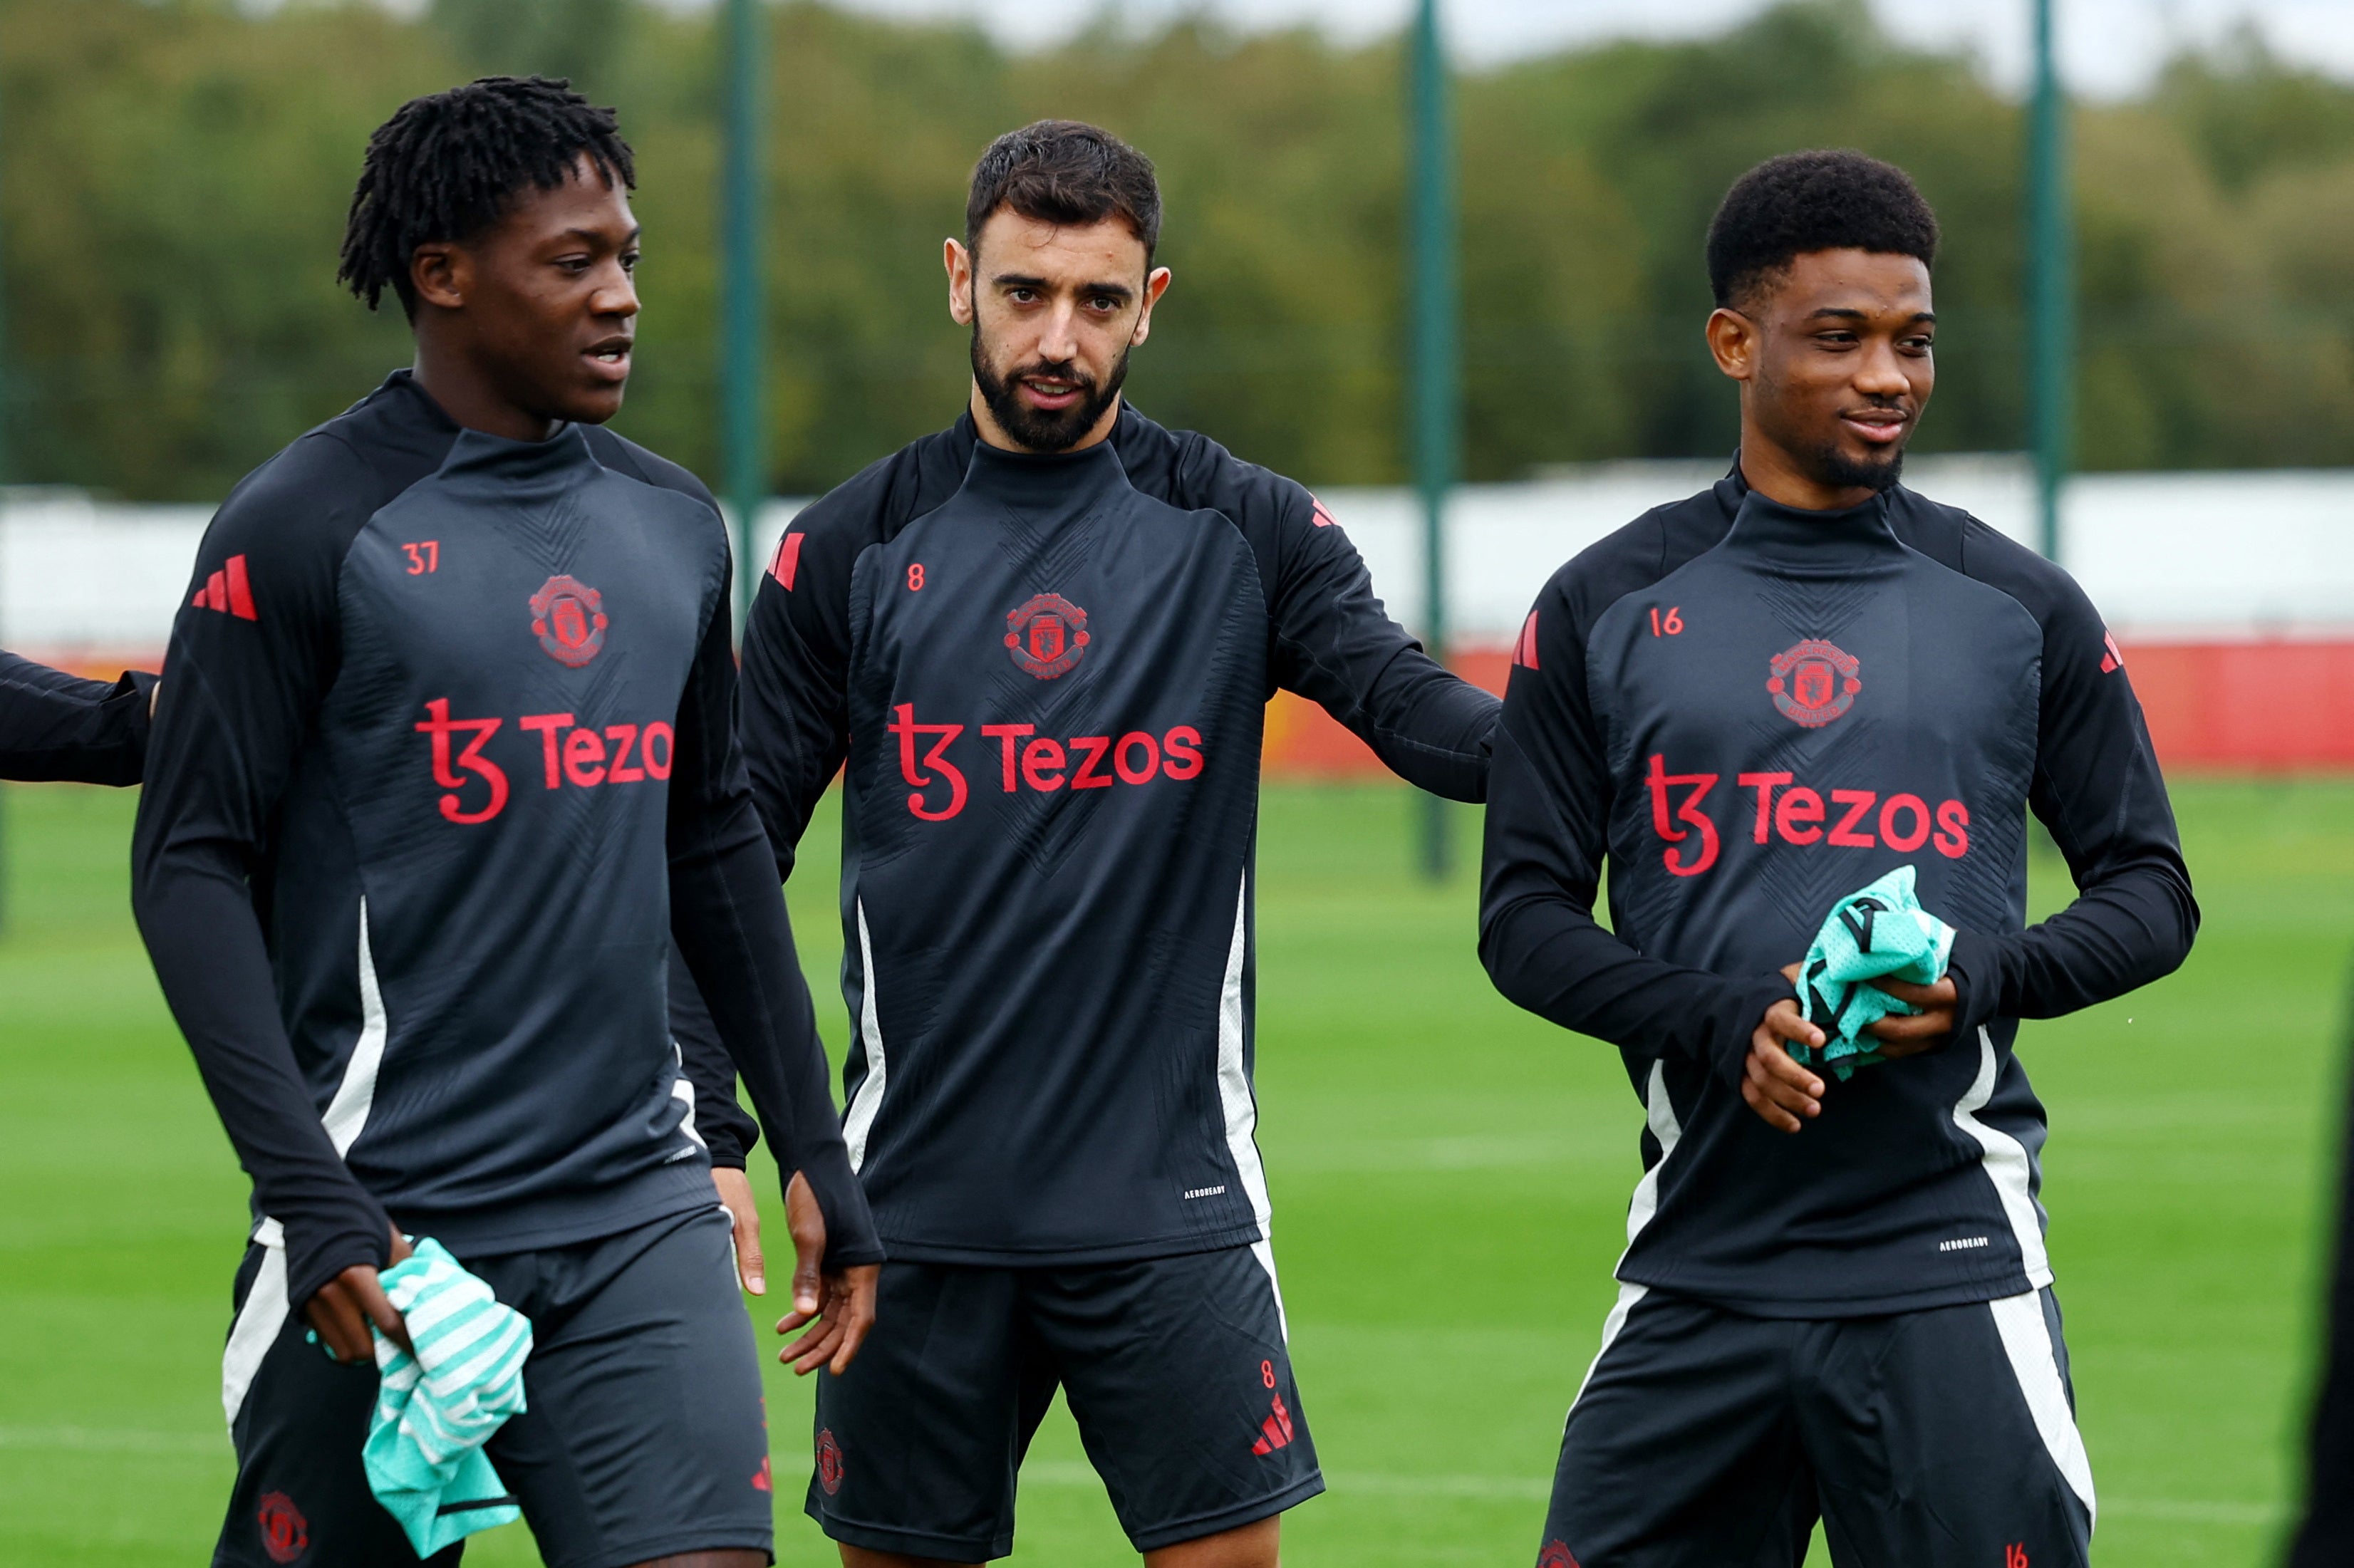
1043,641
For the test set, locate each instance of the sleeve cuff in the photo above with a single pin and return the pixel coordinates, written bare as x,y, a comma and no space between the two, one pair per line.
1731,1057
850,1236
312,1262
1975,968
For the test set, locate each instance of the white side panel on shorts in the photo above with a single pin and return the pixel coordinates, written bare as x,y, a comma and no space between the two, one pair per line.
1235,1097
2006,1167
2027,1341
1662,1113
860,1120
258,1321
264,1312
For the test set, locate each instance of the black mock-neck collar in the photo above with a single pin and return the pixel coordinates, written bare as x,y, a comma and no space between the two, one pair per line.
1794,535
559,460
1045,484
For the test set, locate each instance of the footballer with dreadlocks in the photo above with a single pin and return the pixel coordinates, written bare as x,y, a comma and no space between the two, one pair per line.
1836,1299
445,759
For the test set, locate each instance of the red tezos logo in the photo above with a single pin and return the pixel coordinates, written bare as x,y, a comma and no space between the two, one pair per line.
285,1534
568,618
829,1461
1047,635
1813,681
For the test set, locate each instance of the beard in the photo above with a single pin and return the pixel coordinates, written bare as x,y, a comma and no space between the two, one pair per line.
1835,470
1044,429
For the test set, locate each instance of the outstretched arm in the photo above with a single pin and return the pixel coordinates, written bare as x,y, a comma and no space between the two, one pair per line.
1335,644
54,725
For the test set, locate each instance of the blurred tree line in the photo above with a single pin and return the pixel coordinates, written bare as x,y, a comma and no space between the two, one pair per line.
176,171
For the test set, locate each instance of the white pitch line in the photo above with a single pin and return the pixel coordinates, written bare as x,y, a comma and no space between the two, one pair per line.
1079,1473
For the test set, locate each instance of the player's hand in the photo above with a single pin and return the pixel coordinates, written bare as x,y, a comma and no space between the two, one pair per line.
736,1197
1774,1082
837,1308
344,1307
1926,1029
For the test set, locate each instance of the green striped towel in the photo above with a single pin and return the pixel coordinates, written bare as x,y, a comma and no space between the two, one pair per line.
1881,932
435,1410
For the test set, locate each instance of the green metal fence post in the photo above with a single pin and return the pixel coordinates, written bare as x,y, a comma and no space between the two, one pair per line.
5,454
1434,393
2051,286
742,315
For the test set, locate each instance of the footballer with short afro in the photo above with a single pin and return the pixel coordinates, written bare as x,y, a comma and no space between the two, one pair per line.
1802,202
1840,699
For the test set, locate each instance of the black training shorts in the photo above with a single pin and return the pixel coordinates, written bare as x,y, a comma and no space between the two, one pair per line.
1174,1367
1919,1438
644,1437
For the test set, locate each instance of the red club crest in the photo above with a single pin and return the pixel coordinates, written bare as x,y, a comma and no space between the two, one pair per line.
829,1461
568,618
1556,1555
1047,635
285,1534
1813,681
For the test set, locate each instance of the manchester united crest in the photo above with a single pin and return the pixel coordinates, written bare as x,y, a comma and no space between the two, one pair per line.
568,618
1047,635
829,1462
285,1534
1813,681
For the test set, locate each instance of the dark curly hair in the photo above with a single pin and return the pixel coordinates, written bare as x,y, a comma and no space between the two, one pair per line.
1065,171
445,166
1802,202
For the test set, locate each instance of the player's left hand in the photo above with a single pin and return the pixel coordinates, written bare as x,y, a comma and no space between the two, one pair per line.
736,1197
1925,1030
837,1307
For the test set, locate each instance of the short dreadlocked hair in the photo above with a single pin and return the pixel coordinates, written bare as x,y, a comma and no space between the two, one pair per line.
445,167
1801,202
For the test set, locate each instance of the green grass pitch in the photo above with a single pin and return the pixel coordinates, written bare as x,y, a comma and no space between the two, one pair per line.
1450,1180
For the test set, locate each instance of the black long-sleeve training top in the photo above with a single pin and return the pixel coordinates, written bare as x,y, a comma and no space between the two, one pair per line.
444,755
1750,711
56,727
1048,676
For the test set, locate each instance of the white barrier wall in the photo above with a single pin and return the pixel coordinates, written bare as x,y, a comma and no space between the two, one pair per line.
2197,555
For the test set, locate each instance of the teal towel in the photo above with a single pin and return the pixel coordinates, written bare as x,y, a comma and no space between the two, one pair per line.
1879,933
435,1410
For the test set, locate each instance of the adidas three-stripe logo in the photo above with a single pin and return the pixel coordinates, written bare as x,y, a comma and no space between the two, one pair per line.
228,591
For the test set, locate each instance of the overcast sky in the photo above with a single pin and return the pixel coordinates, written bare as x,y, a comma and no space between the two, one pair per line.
2108,46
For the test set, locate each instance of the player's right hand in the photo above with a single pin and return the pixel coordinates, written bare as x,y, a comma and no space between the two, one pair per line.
1774,1082
837,1307
344,1307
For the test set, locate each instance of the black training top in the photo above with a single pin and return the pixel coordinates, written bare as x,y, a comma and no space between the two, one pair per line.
444,755
1751,711
1049,677
55,726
